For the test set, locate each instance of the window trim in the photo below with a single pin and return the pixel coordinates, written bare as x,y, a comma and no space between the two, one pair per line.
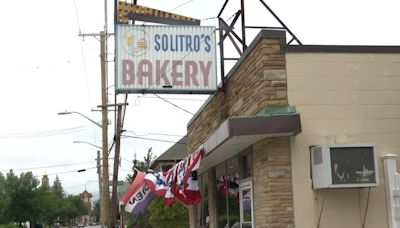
246,185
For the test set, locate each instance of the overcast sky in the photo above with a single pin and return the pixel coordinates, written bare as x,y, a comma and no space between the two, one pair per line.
47,68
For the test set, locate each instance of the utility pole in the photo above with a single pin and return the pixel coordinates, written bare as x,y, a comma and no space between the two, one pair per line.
100,188
104,112
105,193
114,201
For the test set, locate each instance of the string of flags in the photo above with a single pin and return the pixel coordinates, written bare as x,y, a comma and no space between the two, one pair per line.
180,182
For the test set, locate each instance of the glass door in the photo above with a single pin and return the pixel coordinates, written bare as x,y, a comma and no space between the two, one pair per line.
246,205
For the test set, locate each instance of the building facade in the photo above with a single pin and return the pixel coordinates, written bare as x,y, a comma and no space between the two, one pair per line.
277,102
86,198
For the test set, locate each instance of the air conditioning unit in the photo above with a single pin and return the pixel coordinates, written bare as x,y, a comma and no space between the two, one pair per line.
344,166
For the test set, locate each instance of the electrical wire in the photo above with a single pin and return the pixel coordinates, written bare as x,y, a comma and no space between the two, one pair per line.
70,171
179,99
152,133
158,140
49,166
185,3
45,133
77,17
169,102
83,60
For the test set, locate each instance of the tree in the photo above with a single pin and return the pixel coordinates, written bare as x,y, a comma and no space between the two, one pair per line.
48,204
143,166
162,215
22,200
57,188
96,210
69,208
4,201
21,193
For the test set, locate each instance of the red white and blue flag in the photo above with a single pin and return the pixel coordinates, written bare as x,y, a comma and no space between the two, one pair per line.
138,196
180,182
156,182
139,201
137,182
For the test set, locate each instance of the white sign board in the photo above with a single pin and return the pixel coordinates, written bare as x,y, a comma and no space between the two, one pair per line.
165,59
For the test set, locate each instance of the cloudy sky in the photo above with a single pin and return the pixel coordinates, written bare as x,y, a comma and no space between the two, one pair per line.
47,68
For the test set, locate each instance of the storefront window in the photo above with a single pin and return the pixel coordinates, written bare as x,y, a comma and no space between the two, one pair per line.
227,194
246,165
202,208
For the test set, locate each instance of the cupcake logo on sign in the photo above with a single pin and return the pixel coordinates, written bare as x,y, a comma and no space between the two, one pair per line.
135,42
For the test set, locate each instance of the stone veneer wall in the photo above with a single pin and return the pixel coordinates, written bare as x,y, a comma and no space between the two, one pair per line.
256,82
259,81
272,183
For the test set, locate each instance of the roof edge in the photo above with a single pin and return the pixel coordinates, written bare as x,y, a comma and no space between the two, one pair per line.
342,49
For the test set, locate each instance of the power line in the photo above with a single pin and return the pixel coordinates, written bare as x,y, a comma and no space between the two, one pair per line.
179,99
45,133
158,140
152,133
49,166
174,104
77,16
185,3
70,171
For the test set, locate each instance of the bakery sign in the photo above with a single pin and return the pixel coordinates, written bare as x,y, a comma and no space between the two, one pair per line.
165,59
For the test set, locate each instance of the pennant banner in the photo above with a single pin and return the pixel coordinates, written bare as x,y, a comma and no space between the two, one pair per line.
139,201
137,182
180,182
156,182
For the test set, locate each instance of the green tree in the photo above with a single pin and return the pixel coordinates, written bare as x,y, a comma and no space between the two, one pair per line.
21,192
163,216
21,200
72,207
96,210
143,166
57,188
48,205
4,201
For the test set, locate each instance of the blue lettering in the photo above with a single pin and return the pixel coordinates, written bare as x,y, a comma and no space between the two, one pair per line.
164,42
157,46
188,43
207,40
196,44
171,39
181,42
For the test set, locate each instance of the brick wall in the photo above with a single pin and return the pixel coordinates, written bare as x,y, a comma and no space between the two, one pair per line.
272,183
258,82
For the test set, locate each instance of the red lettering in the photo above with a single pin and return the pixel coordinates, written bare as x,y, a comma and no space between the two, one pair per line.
205,71
128,74
191,71
161,73
145,68
176,76
173,73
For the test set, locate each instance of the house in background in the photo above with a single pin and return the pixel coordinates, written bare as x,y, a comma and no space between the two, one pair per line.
86,198
170,157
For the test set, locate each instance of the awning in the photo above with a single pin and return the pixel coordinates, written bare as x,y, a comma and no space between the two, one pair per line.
237,133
